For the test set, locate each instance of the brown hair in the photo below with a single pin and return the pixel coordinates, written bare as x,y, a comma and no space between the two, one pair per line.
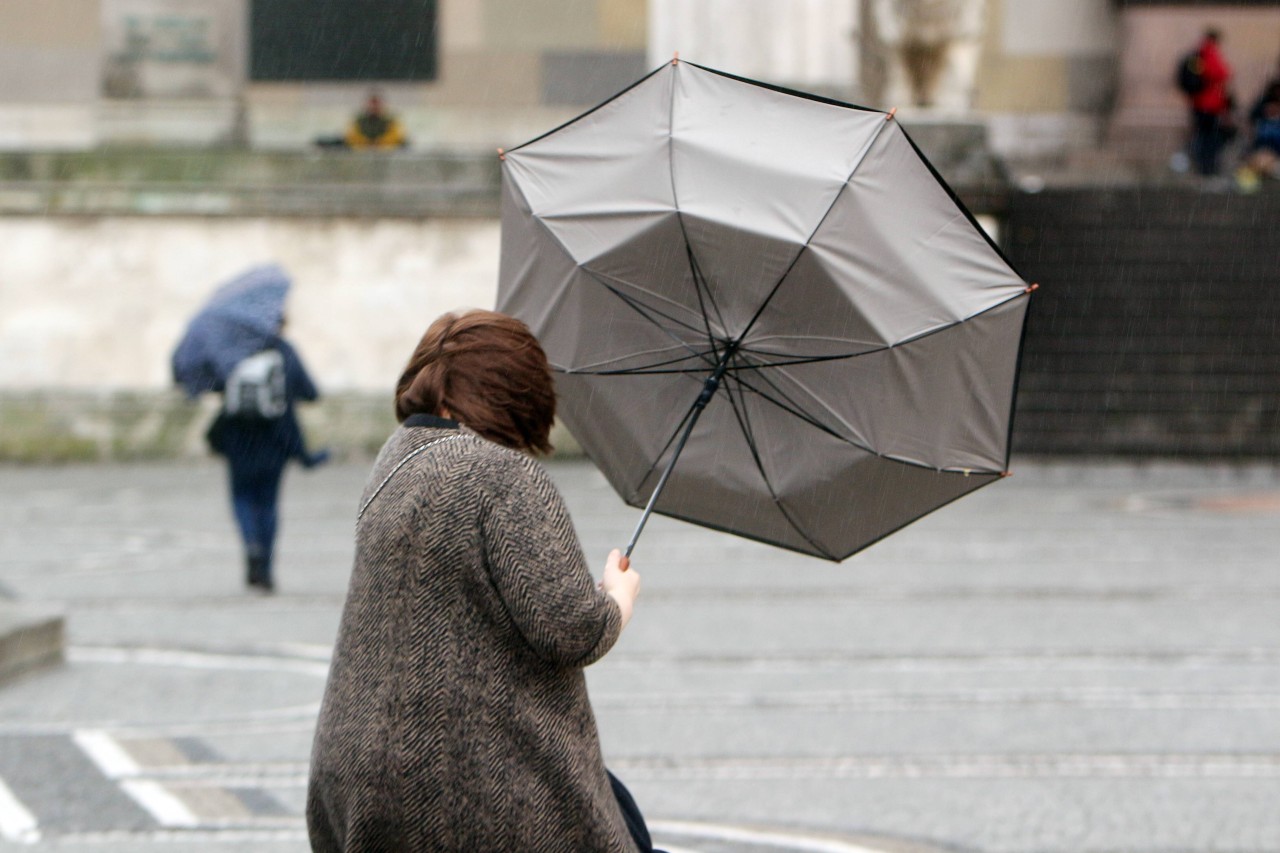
489,372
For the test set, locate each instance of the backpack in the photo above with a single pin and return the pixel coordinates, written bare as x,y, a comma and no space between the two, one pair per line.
1190,74
255,388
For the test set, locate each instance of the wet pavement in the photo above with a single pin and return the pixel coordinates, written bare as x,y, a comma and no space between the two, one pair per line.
1083,657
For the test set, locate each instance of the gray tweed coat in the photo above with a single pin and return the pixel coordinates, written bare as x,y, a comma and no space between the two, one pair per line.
455,717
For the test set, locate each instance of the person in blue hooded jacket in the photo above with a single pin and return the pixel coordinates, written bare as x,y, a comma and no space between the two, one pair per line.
257,446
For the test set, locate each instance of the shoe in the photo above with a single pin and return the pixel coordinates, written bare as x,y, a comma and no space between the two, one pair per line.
314,460
256,571
263,585
1247,180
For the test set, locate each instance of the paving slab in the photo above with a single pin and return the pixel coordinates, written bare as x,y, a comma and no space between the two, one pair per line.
1083,657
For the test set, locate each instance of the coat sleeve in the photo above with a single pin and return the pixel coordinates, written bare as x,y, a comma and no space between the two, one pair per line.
538,568
298,383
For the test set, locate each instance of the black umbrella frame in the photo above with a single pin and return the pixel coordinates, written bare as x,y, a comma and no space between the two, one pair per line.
795,271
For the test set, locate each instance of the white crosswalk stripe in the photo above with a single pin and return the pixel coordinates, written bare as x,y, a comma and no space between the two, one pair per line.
16,821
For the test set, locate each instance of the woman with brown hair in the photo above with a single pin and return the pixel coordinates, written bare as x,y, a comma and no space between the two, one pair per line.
456,715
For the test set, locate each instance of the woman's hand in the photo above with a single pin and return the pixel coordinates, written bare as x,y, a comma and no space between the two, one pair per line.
621,584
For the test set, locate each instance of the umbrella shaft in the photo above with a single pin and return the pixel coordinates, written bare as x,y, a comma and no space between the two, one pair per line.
709,389
657,490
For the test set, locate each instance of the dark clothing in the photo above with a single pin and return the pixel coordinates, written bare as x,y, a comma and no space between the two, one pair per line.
375,130
1208,137
631,814
254,497
257,451
1266,135
255,445
1270,92
456,718
1264,116
371,126
1210,110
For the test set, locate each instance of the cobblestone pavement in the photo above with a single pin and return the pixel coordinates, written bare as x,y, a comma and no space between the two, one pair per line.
1083,657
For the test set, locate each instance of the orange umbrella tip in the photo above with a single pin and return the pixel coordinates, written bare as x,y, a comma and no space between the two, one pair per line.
889,115
675,58
1004,474
1032,288
502,155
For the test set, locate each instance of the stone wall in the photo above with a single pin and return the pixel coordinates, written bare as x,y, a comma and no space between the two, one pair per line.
96,303
92,306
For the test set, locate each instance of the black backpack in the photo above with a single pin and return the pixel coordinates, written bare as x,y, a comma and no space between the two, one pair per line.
1190,74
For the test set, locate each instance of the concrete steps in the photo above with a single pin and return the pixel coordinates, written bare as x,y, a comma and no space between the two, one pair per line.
1156,330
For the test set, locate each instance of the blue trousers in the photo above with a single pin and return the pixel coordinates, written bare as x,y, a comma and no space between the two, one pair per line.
255,493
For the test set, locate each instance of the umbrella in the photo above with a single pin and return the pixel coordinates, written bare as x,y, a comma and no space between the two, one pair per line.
775,289
242,317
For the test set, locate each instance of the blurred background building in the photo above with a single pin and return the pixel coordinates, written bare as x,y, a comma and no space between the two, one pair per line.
151,148
1046,75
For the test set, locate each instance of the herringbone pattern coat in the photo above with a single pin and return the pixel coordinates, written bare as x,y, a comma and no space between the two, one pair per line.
456,717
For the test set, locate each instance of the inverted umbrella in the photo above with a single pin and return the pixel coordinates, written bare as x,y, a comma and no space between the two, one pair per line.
241,318
767,312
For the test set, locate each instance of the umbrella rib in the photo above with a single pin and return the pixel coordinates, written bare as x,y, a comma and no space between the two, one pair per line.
694,269
748,432
702,288
795,409
784,402
647,369
603,281
787,361
653,466
675,434
578,118
644,311
641,309
637,371
862,155
811,359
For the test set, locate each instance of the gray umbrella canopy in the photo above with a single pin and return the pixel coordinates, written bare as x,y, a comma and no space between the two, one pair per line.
778,290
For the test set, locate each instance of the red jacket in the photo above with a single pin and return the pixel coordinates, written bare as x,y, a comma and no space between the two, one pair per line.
1213,97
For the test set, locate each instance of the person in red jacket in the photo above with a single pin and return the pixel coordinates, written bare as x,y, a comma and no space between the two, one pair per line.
1211,106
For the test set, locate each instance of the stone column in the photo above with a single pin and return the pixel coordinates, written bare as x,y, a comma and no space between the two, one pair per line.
921,53
48,73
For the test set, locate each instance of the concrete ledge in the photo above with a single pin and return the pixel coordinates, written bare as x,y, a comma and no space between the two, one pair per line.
64,426
238,182
30,637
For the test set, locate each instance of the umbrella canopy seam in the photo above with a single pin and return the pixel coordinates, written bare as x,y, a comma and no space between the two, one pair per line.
740,414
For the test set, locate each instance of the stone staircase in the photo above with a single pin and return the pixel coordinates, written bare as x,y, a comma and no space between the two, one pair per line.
1156,329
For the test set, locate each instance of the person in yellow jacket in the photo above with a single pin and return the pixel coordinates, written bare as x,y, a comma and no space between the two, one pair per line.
374,127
